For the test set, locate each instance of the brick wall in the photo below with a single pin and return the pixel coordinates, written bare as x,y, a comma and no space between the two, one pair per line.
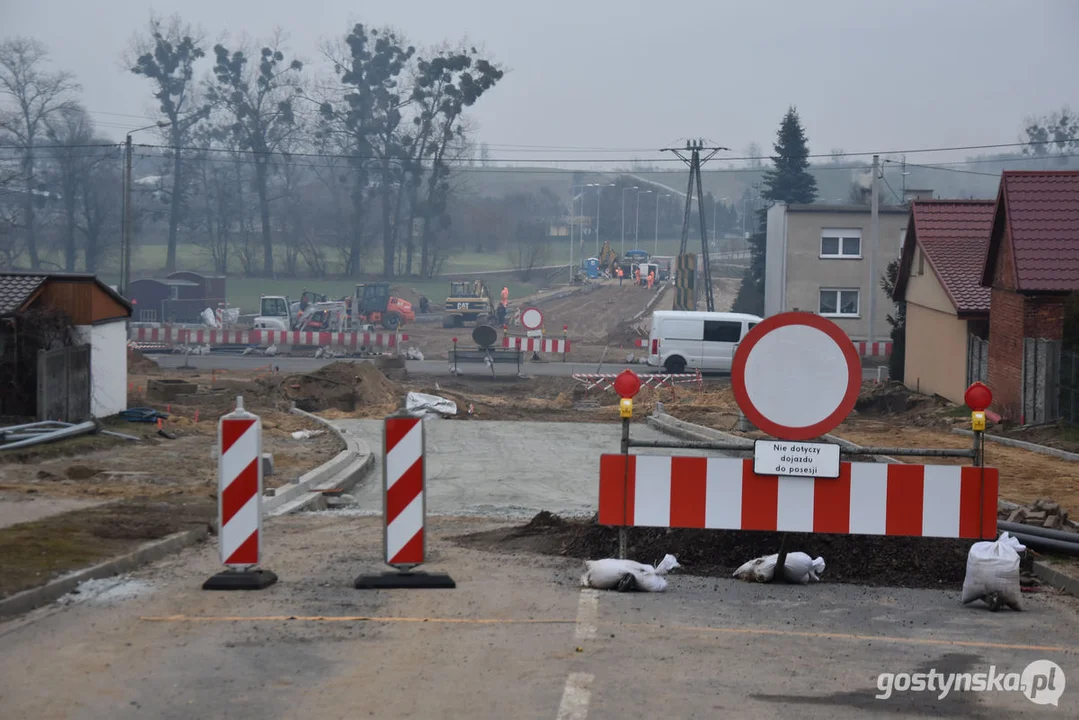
1006,323
1044,318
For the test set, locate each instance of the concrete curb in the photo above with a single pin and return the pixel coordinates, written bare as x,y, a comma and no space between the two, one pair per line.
1023,445
1056,578
691,431
340,473
36,597
848,445
652,302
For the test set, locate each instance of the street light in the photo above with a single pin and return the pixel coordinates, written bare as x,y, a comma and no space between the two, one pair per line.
572,215
623,253
599,202
637,229
666,195
125,218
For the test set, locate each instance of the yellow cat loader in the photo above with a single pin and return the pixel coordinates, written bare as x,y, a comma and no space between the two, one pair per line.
469,301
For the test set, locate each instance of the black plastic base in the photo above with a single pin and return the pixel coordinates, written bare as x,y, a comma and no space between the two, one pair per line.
241,580
414,579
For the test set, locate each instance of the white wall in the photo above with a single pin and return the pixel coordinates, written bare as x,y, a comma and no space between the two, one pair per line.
108,366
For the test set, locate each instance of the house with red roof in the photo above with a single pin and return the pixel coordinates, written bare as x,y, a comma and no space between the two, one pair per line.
1031,268
947,309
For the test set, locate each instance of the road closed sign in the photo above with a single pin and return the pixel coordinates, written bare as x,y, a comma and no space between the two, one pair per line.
796,459
796,376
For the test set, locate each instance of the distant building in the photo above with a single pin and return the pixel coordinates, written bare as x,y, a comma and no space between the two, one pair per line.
817,260
34,366
947,308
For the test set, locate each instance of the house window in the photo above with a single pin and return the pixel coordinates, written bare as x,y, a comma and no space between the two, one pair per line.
174,292
921,262
148,315
840,243
722,331
838,302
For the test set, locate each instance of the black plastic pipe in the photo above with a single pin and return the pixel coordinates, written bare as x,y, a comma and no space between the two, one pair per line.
1048,544
1014,528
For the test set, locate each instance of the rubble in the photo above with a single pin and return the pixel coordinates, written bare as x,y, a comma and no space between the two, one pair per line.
1043,513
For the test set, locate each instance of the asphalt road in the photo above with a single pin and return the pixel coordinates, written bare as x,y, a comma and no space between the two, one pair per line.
419,367
518,637
514,469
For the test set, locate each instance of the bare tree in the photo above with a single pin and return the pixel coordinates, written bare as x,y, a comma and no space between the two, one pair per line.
71,131
36,94
259,100
167,57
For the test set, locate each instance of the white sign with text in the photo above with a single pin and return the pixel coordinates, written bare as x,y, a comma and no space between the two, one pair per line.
800,459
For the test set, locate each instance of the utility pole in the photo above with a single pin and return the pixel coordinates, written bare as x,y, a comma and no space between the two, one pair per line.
694,161
874,244
125,257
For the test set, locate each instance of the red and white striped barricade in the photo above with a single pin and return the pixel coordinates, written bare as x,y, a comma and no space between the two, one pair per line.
153,336
875,349
605,381
536,344
404,509
239,506
866,499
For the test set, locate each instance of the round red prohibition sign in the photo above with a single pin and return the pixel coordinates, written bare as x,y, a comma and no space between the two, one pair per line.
532,318
796,376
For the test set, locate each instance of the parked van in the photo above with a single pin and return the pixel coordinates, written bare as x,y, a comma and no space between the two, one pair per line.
705,341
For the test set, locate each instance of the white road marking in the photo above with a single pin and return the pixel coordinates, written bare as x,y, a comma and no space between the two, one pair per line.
587,609
575,697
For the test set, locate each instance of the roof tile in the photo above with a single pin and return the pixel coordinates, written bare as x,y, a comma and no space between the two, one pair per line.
1042,210
15,288
954,235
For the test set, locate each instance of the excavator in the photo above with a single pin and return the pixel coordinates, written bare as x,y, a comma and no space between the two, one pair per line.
608,258
469,301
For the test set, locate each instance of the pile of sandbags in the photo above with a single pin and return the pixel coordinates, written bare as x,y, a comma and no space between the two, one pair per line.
626,575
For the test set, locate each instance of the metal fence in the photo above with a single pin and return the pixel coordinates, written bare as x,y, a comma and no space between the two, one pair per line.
977,359
1068,381
63,383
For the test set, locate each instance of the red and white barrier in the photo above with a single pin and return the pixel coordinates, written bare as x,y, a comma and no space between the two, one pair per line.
605,381
536,344
404,498
239,507
866,499
877,349
213,336
404,509
240,488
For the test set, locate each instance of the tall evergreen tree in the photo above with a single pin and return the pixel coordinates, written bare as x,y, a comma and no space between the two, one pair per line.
789,180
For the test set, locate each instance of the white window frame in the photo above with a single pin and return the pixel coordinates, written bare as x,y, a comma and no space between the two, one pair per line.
843,234
838,304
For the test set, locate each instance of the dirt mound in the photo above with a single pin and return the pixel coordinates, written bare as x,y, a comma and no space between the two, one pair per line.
140,364
345,386
866,560
892,397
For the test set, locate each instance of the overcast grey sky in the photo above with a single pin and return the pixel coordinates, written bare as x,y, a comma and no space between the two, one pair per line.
865,75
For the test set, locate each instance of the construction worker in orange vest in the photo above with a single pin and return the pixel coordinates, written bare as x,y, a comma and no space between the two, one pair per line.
651,278
636,276
619,273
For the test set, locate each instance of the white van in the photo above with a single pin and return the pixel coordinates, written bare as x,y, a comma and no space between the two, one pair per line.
706,341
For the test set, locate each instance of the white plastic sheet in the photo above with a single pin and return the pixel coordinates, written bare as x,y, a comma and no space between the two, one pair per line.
798,568
993,572
608,573
423,403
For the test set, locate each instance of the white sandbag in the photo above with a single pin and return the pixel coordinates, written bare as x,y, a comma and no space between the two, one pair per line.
208,318
424,403
607,574
993,572
798,568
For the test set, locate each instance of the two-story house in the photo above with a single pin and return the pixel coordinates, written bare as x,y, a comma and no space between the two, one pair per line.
818,260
